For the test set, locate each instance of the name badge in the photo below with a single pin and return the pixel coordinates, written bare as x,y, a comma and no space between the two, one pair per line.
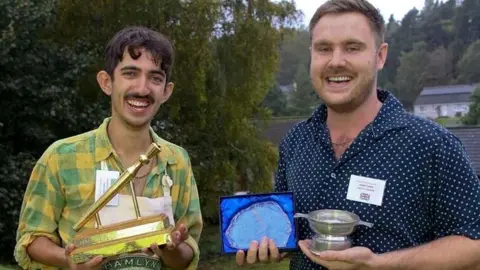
105,179
366,190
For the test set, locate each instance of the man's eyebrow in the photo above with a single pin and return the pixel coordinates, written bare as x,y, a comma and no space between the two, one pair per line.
159,72
353,41
350,41
321,42
130,68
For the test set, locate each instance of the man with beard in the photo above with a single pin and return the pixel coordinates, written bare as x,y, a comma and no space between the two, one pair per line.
65,180
423,195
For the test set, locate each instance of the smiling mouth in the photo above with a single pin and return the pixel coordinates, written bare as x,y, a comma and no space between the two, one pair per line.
138,105
339,79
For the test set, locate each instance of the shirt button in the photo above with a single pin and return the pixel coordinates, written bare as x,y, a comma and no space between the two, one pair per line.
333,175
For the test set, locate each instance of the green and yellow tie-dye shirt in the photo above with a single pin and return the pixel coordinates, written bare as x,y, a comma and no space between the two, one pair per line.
62,187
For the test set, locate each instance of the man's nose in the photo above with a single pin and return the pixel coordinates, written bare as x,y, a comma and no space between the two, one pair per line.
337,58
142,85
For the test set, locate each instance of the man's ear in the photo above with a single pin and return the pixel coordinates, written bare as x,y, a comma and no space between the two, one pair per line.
168,92
105,82
382,55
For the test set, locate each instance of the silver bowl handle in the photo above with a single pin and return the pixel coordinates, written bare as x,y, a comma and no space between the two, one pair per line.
300,215
364,223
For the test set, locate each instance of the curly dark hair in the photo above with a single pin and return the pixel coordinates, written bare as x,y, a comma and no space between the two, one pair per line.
136,37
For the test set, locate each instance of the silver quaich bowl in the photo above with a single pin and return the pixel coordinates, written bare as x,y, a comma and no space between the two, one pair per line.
332,228
333,222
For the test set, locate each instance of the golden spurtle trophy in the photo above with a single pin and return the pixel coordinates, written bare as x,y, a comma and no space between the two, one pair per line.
123,237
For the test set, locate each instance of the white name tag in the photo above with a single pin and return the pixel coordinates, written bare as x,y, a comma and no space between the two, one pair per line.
366,190
105,179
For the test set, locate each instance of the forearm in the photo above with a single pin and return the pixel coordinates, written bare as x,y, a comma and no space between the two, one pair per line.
448,253
45,251
179,258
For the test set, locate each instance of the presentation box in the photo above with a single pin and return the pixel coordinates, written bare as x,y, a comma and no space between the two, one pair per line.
249,217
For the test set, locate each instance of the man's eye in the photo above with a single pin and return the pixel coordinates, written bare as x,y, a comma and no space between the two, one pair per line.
157,79
323,49
353,48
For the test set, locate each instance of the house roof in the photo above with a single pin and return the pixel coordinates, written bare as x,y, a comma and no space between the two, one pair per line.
459,93
470,137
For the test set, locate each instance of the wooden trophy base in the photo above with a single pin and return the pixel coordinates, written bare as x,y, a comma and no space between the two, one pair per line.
121,238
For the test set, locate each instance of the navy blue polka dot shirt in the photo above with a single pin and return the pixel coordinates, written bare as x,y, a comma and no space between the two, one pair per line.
431,189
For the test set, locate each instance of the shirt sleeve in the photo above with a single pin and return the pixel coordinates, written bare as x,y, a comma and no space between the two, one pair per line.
41,209
187,210
456,191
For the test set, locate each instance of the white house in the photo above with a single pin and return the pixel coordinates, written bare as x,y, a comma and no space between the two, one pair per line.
444,101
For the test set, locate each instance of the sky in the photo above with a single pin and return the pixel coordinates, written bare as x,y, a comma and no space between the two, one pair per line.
396,7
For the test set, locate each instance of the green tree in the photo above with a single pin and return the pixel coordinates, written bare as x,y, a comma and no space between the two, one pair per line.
391,27
456,49
466,21
401,40
467,66
39,101
473,116
246,60
293,51
388,73
439,70
276,101
410,76
304,99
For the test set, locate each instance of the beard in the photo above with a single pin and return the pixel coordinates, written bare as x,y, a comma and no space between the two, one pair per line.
357,96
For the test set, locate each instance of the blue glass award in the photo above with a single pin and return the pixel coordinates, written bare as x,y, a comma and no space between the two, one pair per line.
245,218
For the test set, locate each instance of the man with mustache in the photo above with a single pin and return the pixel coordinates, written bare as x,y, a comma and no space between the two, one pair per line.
65,183
423,195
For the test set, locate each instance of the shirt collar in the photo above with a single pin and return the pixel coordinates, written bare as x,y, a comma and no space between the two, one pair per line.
391,115
104,148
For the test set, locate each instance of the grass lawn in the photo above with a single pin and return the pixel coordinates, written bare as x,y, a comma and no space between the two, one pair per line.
211,259
449,121
7,267
221,263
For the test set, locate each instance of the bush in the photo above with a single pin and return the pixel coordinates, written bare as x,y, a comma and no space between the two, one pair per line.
14,173
39,100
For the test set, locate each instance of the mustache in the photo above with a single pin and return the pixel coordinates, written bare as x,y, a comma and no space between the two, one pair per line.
137,95
332,72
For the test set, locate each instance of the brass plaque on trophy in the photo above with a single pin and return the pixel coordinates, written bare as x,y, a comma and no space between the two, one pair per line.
123,237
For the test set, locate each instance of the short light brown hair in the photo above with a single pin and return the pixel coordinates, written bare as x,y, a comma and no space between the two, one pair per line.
364,7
